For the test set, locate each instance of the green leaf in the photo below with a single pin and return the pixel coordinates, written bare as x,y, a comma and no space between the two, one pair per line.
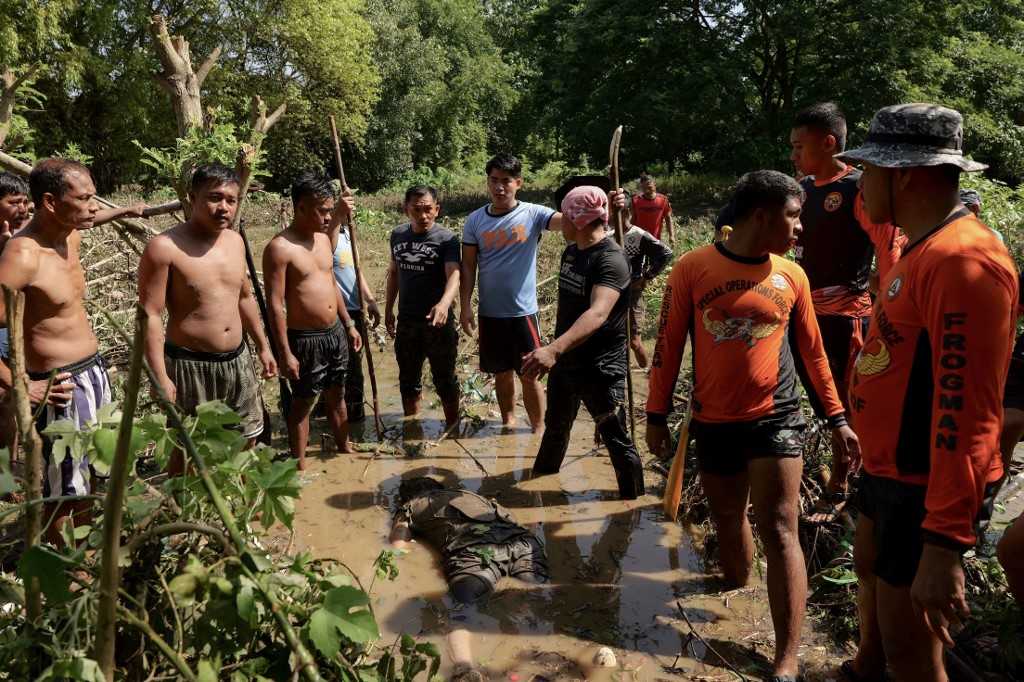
184,588
82,669
344,614
47,566
246,603
216,413
279,482
7,483
105,443
207,671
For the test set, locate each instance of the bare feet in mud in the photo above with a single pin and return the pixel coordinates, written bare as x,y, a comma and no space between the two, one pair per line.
347,448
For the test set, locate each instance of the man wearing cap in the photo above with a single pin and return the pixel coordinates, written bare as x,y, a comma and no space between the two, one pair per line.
926,393
587,359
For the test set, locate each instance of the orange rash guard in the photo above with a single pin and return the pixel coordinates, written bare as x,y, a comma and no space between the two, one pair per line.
926,392
741,313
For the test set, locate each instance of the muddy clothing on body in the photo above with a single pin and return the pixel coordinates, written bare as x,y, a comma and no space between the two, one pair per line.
478,539
594,372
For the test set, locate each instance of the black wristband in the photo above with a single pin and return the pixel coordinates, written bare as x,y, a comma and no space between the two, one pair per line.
655,419
837,420
932,538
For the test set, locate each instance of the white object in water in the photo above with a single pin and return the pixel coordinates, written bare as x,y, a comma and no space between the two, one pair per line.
605,658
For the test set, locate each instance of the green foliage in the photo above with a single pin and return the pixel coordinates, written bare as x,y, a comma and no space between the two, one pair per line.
195,593
219,143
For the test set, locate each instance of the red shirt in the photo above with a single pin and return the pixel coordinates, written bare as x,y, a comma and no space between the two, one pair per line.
650,214
741,313
926,391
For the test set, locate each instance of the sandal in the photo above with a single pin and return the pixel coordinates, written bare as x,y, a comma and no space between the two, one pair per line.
827,508
847,671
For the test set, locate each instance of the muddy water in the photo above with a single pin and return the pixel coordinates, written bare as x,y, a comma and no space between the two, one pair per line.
619,571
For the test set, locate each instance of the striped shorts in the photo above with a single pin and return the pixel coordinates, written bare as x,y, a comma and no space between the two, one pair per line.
62,474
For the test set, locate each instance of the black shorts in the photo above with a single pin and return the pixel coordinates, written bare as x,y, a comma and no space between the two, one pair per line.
897,511
323,359
473,573
1013,394
505,340
725,448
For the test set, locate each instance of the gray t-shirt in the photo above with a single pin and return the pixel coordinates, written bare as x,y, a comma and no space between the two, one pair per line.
421,260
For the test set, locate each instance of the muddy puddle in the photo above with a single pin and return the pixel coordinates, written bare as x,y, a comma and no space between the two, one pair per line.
620,573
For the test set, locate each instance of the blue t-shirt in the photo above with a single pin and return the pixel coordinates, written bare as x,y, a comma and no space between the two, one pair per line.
345,270
507,257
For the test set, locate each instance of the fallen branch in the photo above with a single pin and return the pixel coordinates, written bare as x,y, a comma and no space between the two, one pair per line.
472,456
177,528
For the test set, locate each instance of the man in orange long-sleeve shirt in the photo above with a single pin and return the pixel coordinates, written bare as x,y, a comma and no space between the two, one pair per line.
926,393
742,302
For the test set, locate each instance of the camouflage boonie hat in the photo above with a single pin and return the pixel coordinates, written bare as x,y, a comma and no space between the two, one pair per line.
909,135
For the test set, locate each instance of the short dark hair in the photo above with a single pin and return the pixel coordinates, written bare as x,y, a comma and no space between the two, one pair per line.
645,176
507,163
763,189
417,191
215,174
50,176
414,487
824,117
311,184
12,184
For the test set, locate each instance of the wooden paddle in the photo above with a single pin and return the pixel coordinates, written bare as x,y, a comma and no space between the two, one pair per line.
674,486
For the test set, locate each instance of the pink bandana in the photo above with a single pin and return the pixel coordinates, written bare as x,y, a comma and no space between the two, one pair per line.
583,205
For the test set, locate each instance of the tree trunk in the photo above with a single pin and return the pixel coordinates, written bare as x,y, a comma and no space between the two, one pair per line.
9,85
178,78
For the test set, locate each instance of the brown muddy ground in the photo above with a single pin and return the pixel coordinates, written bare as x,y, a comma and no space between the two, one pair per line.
620,571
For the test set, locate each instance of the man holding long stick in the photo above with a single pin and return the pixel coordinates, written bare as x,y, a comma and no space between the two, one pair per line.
587,359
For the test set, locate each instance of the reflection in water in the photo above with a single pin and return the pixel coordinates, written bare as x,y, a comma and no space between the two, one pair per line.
617,568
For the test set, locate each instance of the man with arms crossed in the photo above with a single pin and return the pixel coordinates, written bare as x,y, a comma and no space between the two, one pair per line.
196,271
651,210
314,335
42,261
424,277
742,302
926,393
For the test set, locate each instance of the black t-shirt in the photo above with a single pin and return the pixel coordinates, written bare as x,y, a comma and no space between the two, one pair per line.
421,259
603,264
833,248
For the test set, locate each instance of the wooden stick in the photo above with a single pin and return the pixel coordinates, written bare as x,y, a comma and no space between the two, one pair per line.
15,302
620,237
364,330
261,303
113,509
707,646
674,485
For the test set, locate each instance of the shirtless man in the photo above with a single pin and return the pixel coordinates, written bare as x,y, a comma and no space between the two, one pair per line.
42,261
298,272
196,271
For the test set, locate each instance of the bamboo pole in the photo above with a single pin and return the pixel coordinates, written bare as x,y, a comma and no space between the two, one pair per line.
15,302
364,331
621,238
113,510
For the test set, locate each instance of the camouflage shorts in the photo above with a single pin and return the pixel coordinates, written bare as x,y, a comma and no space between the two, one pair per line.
725,448
473,573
